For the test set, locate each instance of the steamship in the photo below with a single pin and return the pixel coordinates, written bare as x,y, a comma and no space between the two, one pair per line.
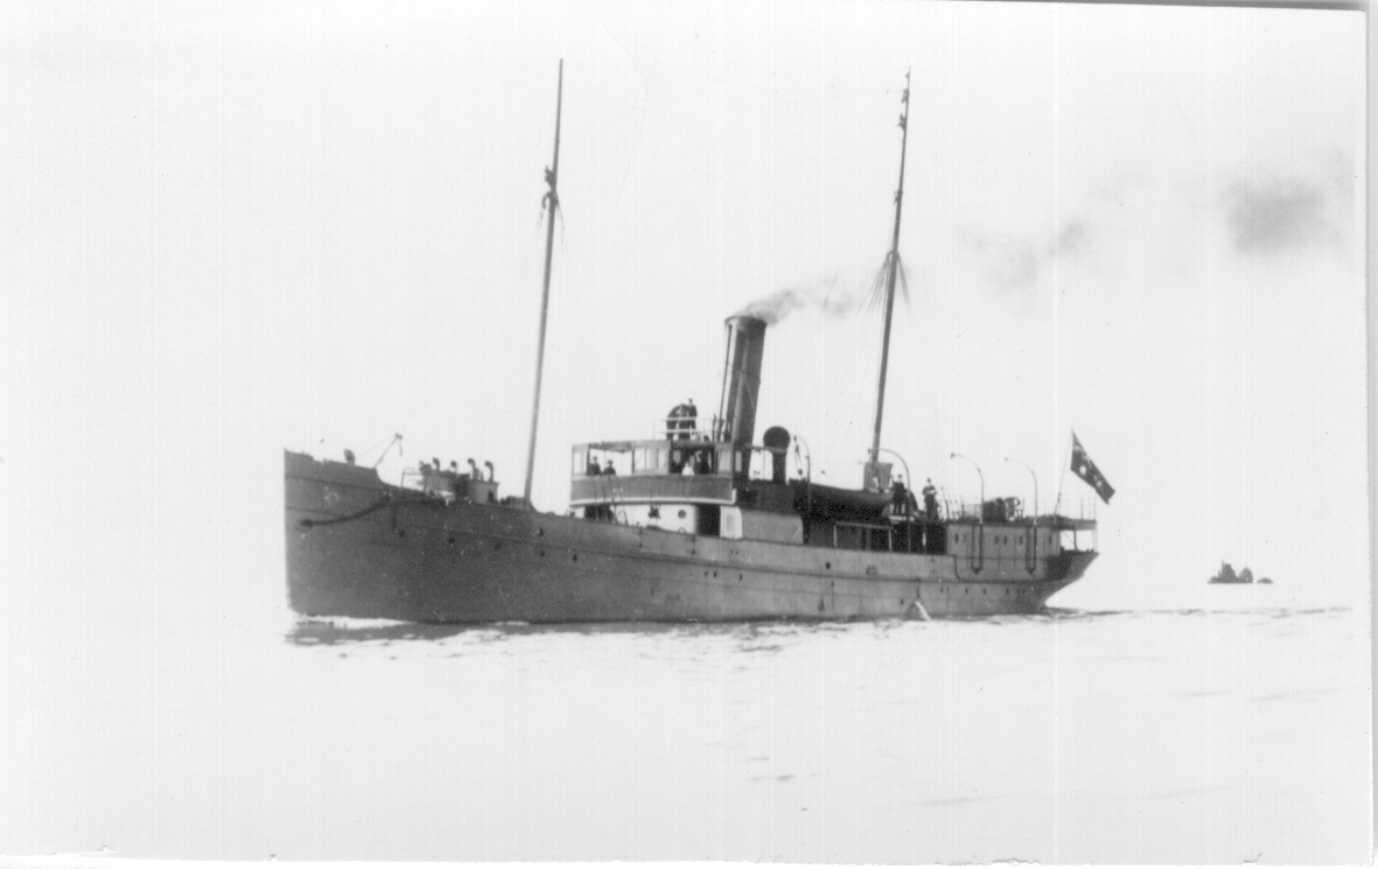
698,524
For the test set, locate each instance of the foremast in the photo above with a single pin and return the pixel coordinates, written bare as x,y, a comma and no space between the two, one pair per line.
874,479
551,202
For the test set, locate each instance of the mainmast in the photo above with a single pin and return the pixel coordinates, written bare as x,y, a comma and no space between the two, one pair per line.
892,262
551,203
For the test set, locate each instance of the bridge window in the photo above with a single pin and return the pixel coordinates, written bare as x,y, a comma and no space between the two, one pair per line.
643,459
617,460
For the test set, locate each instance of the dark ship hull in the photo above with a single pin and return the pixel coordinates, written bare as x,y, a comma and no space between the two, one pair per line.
359,547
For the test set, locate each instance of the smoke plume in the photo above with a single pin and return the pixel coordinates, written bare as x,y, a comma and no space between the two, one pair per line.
829,297
1014,263
1273,212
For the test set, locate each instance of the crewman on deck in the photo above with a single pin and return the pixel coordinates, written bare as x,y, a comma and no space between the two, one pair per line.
899,497
591,467
608,469
930,500
702,463
682,421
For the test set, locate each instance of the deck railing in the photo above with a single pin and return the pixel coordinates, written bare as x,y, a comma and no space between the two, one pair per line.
673,428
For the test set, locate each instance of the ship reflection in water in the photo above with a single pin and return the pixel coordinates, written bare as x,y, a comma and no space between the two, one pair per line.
346,632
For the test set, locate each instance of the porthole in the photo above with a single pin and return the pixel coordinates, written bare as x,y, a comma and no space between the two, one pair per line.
827,565
574,557
451,540
682,514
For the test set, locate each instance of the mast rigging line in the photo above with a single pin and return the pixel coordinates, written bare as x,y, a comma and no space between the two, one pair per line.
878,284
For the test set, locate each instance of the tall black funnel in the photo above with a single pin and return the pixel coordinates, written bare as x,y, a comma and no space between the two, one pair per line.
746,341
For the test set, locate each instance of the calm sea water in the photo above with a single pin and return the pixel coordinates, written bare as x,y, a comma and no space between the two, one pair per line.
1234,732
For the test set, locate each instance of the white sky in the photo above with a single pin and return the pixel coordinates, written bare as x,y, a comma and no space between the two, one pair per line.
232,229
229,229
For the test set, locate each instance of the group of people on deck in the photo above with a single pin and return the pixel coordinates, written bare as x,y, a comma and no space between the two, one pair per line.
902,500
593,470
693,462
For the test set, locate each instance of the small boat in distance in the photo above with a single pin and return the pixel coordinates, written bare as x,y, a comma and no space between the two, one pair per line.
699,523
1226,576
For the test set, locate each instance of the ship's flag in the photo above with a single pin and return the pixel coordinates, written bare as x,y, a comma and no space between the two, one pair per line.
1086,469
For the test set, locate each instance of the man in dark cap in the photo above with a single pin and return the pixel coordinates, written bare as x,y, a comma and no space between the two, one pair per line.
930,500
